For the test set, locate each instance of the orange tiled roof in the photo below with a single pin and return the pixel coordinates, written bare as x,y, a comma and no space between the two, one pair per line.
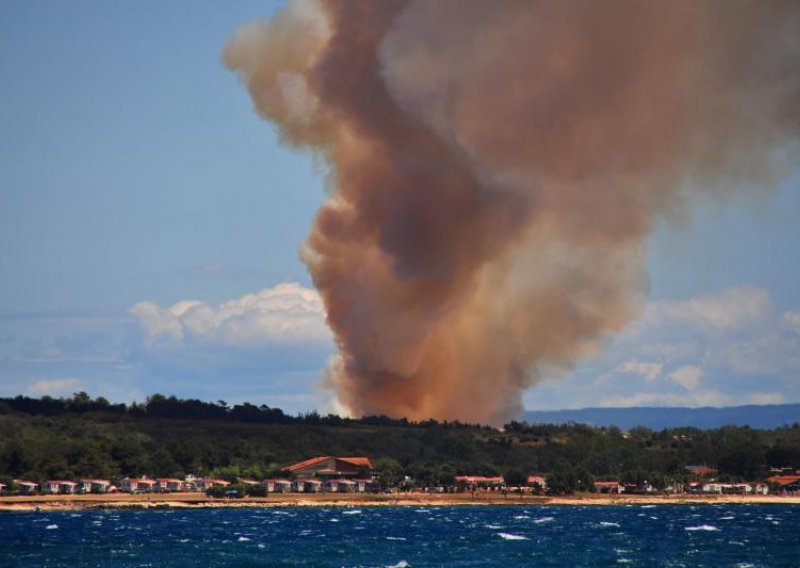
783,479
307,463
356,461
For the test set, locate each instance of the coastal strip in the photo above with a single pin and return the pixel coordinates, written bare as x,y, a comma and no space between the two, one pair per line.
412,499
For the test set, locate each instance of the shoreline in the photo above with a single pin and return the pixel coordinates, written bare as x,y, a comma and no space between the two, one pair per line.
200,501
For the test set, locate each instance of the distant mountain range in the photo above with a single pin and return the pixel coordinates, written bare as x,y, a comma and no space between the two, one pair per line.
657,418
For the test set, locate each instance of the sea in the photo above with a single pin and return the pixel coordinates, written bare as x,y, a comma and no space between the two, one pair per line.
401,537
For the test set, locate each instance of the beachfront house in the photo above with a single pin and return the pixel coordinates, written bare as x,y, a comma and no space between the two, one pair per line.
608,487
537,483
57,486
137,485
169,485
207,483
278,485
339,485
785,483
363,485
309,485
93,486
332,467
25,487
473,482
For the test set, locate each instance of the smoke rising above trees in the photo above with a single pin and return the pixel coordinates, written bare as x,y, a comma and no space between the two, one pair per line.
495,168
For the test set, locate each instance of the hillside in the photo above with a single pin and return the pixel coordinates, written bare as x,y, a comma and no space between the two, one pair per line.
81,437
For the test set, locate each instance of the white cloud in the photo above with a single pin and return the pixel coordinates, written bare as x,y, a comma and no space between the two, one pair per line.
55,387
690,399
687,376
733,309
284,314
650,371
791,320
765,398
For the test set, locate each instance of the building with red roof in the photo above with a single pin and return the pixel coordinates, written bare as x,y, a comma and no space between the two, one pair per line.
330,466
608,487
784,480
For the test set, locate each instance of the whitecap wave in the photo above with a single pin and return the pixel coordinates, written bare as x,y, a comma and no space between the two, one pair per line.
608,524
709,528
541,520
51,527
509,536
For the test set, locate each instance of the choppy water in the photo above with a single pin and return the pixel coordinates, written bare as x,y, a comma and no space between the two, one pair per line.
669,535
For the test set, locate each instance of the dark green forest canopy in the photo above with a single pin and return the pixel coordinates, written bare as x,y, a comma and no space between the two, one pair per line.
83,437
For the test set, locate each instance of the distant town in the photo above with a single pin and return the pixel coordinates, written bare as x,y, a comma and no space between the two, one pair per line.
81,445
331,474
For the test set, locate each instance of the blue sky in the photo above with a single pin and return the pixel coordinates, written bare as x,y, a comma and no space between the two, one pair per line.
135,177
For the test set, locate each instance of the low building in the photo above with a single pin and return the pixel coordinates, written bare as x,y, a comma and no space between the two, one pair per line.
307,485
169,485
364,485
537,483
207,483
56,486
94,486
331,467
25,487
479,482
137,485
608,487
340,485
785,483
278,485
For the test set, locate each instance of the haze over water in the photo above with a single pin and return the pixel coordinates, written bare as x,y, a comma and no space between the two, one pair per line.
669,535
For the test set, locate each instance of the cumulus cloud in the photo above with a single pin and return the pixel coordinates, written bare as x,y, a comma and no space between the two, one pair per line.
733,309
727,348
650,371
287,314
687,376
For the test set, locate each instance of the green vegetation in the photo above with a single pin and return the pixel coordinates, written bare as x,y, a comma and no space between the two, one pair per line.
84,437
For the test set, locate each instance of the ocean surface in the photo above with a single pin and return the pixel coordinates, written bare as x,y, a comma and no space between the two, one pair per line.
664,535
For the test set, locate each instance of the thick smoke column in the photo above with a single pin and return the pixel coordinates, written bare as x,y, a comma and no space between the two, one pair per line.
494,169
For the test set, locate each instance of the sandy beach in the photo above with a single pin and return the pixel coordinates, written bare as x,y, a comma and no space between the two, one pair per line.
198,500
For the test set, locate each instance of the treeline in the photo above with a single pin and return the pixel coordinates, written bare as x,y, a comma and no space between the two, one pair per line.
160,406
83,437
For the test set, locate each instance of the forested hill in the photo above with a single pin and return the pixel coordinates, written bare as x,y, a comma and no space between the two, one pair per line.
83,437
755,416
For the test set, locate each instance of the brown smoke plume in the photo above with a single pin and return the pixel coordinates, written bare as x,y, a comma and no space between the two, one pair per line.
495,167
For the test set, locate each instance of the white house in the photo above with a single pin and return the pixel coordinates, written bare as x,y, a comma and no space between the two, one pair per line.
278,485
